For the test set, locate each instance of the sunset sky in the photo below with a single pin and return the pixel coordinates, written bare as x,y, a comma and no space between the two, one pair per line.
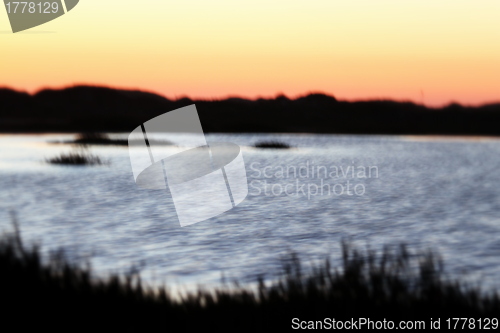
430,51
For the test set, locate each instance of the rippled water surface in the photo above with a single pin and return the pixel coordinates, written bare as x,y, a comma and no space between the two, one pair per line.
429,192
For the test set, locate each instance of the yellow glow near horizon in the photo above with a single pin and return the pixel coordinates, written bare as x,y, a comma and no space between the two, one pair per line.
425,51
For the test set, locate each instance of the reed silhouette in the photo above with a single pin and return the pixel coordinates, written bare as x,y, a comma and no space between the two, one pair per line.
61,295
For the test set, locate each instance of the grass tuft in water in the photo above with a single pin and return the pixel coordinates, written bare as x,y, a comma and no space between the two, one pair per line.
96,138
272,144
81,157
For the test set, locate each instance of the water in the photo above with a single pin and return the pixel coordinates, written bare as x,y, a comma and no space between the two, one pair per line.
429,192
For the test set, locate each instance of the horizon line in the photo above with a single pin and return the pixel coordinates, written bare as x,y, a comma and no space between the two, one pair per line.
277,95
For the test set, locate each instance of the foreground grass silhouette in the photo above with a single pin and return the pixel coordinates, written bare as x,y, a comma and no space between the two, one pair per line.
63,296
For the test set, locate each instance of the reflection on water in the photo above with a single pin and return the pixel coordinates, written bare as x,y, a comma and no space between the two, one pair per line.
437,193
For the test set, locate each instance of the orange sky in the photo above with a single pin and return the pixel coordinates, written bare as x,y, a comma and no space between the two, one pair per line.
425,51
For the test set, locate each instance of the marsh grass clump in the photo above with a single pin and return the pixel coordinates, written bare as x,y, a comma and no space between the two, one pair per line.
394,285
81,157
97,138
272,145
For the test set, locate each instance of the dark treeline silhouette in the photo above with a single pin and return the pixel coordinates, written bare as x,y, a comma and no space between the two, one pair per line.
86,108
59,295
